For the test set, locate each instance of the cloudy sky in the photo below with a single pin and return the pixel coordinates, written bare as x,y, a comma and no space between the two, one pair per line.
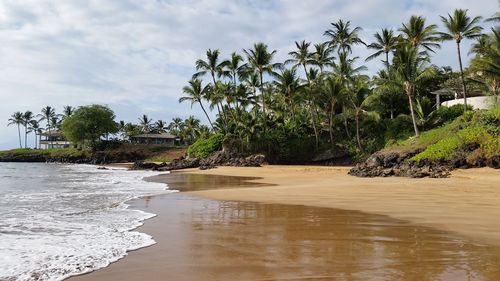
135,55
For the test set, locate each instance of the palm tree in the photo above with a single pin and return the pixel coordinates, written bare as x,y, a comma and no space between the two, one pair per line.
47,114
494,18
459,27
260,60
211,65
322,56
27,118
332,93
235,67
176,126
410,67
17,118
418,35
67,111
145,123
357,104
160,126
191,127
385,43
301,57
288,84
34,127
342,37
195,93
486,63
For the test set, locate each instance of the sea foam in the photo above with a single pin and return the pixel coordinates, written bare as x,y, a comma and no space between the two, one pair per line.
62,220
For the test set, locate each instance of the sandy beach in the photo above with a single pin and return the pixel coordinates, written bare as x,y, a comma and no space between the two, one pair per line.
317,223
467,203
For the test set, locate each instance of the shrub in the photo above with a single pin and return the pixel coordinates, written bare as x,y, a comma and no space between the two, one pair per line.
450,145
491,147
202,148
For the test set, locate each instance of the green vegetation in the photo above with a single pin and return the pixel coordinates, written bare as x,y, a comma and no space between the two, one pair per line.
51,152
319,99
479,130
88,124
203,147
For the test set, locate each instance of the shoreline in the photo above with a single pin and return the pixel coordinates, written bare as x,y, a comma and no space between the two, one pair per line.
467,203
195,232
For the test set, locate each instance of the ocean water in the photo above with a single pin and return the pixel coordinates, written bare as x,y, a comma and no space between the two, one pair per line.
61,220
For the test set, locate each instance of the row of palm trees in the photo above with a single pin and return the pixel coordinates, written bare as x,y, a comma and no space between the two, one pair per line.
32,122
253,93
187,130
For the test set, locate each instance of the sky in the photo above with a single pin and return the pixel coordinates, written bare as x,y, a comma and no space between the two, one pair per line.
136,55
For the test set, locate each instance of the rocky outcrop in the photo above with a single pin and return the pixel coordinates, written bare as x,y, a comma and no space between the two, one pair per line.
399,164
216,159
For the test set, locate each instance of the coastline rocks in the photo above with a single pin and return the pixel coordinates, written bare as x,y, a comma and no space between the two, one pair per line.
398,164
216,159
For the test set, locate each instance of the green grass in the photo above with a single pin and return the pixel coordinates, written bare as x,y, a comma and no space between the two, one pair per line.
479,127
159,159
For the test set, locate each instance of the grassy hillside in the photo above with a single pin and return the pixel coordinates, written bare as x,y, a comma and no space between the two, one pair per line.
472,135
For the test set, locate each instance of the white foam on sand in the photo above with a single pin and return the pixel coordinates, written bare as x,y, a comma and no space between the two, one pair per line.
84,224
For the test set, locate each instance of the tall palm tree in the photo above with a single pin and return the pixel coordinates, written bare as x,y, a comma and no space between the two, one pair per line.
342,37
145,123
332,92
357,104
195,94
385,43
417,34
27,118
235,67
17,118
322,56
287,83
460,26
301,56
47,114
34,127
410,67
260,60
211,66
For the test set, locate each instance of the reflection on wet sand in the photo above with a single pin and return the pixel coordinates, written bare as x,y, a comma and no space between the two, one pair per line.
200,239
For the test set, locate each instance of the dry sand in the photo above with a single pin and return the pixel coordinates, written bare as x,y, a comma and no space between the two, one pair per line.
467,203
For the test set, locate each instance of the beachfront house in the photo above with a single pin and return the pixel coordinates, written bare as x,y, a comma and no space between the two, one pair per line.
158,138
53,139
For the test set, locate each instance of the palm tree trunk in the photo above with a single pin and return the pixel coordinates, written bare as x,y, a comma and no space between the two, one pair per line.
19,133
263,101
357,131
36,139
25,136
410,100
330,123
462,76
316,137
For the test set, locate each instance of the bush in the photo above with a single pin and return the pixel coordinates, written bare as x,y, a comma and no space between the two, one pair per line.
202,148
398,128
450,145
446,114
491,147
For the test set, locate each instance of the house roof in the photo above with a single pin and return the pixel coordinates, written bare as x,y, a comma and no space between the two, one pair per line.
155,136
54,133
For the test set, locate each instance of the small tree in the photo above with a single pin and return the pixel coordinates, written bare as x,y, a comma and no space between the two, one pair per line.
89,123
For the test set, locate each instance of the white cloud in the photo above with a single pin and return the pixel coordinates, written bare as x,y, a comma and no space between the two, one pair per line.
136,55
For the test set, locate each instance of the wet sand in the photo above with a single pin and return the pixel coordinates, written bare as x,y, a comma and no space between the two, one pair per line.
467,203
205,239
